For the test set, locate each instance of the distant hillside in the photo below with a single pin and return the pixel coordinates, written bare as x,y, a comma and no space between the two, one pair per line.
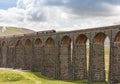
13,31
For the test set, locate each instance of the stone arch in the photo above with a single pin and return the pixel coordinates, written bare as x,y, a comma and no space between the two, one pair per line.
28,43
100,37
81,39
66,40
4,54
117,38
80,57
98,57
11,53
11,44
4,44
50,57
38,55
38,42
19,43
66,52
50,41
19,55
28,54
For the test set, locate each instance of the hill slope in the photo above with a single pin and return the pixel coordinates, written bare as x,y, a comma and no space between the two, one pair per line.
9,76
27,77
13,31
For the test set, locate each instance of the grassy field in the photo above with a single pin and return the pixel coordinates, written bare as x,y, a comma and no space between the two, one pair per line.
26,77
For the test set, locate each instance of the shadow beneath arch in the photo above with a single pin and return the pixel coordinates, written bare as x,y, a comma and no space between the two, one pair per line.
39,75
42,77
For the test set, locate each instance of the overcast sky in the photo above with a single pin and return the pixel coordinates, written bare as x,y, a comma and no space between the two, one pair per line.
61,15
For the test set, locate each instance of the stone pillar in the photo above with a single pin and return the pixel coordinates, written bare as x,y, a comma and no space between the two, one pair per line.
4,56
97,67
50,61
90,61
28,57
19,56
38,58
115,64
11,58
1,58
65,62
79,61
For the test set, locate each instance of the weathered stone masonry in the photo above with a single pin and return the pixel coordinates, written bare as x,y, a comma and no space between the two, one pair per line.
62,55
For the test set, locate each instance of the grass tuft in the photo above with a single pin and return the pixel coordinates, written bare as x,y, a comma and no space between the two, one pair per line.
6,76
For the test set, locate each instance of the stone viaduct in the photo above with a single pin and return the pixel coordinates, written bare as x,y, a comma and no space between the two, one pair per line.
62,55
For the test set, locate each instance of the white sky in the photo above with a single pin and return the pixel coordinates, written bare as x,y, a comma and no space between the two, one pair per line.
61,15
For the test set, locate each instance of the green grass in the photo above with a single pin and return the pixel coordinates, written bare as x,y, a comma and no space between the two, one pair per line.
27,77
